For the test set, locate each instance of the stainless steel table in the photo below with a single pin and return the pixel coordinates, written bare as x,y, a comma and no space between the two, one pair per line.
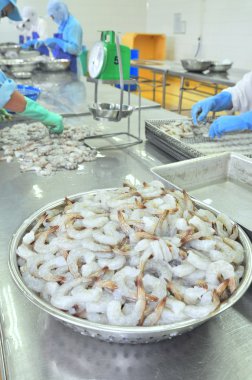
38,347
175,69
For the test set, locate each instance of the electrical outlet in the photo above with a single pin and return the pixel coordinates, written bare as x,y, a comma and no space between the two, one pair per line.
179,25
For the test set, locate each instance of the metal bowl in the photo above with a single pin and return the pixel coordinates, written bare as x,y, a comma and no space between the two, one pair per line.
27,54
109,111
20,65
9,46
120,334
220,67
54,65
22,75
195,65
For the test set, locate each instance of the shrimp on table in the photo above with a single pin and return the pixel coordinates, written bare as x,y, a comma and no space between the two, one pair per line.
153,318
40,244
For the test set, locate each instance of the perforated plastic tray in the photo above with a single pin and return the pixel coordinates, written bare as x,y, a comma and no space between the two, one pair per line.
199,145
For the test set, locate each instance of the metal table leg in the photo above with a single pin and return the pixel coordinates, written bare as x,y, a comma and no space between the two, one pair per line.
154,87
182,81
164,88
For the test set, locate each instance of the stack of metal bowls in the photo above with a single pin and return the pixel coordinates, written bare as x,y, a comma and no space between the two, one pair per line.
54,65
9,47
196,65
220,66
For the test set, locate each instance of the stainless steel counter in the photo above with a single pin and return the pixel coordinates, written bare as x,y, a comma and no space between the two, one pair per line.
38,347
175,69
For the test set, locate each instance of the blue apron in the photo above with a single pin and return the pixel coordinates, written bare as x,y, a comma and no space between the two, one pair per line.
58,53
43,49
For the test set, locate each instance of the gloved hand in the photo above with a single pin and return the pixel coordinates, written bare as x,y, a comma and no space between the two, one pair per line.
52,120
29,44
231,124
39,43
4,115
220,102
52,42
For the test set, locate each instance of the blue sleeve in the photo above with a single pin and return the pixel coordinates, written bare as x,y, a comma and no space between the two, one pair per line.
72,36
7,87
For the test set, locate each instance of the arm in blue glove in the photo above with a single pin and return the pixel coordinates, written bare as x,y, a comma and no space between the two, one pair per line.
231,124
29,44
35,111
66,46
220,102
52,42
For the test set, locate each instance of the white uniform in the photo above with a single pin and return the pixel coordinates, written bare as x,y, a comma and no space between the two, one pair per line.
242,94
32,23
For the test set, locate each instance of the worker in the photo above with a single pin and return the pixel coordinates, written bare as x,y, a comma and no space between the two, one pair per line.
12,100
67,42
32,28
236,98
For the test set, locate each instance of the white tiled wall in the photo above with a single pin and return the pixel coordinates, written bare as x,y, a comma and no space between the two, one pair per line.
224,25
94,15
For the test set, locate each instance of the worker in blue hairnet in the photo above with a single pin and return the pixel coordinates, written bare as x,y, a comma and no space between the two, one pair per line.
236,98
32,28
12,100
67,42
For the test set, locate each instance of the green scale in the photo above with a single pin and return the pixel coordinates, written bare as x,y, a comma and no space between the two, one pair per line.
103,60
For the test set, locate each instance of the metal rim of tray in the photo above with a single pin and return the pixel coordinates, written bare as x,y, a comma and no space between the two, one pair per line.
184,147
120,334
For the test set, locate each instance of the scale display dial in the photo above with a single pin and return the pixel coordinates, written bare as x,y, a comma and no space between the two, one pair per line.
97,59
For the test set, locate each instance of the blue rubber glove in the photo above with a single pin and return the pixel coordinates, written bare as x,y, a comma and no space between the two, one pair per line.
39,43
231,124
52,42
220,102
35,111
29,44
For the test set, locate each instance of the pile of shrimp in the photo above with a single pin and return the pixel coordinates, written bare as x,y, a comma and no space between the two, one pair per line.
183,129
38,150
139,255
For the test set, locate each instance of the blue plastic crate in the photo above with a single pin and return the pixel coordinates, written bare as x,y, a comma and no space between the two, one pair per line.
29,91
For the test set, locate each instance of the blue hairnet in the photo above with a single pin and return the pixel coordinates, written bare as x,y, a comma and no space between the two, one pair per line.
58,10
15,14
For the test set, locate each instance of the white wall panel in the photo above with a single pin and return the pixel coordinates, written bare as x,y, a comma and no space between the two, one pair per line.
224,25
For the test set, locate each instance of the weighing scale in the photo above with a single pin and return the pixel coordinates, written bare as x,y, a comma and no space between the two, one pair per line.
109,63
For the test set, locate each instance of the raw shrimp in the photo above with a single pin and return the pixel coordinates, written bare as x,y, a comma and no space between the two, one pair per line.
115,313
45,269
225,228
64,301
153,318
125,280
193,295
183,270
76,256
217,269
40,245
204,228
203,309
89,269
25,251
92,246
155,286
198,260
159,268
33,283
48,290
113,264
113,238
95,222
78,233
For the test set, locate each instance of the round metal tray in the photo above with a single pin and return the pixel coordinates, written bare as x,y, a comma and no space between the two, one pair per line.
120,334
